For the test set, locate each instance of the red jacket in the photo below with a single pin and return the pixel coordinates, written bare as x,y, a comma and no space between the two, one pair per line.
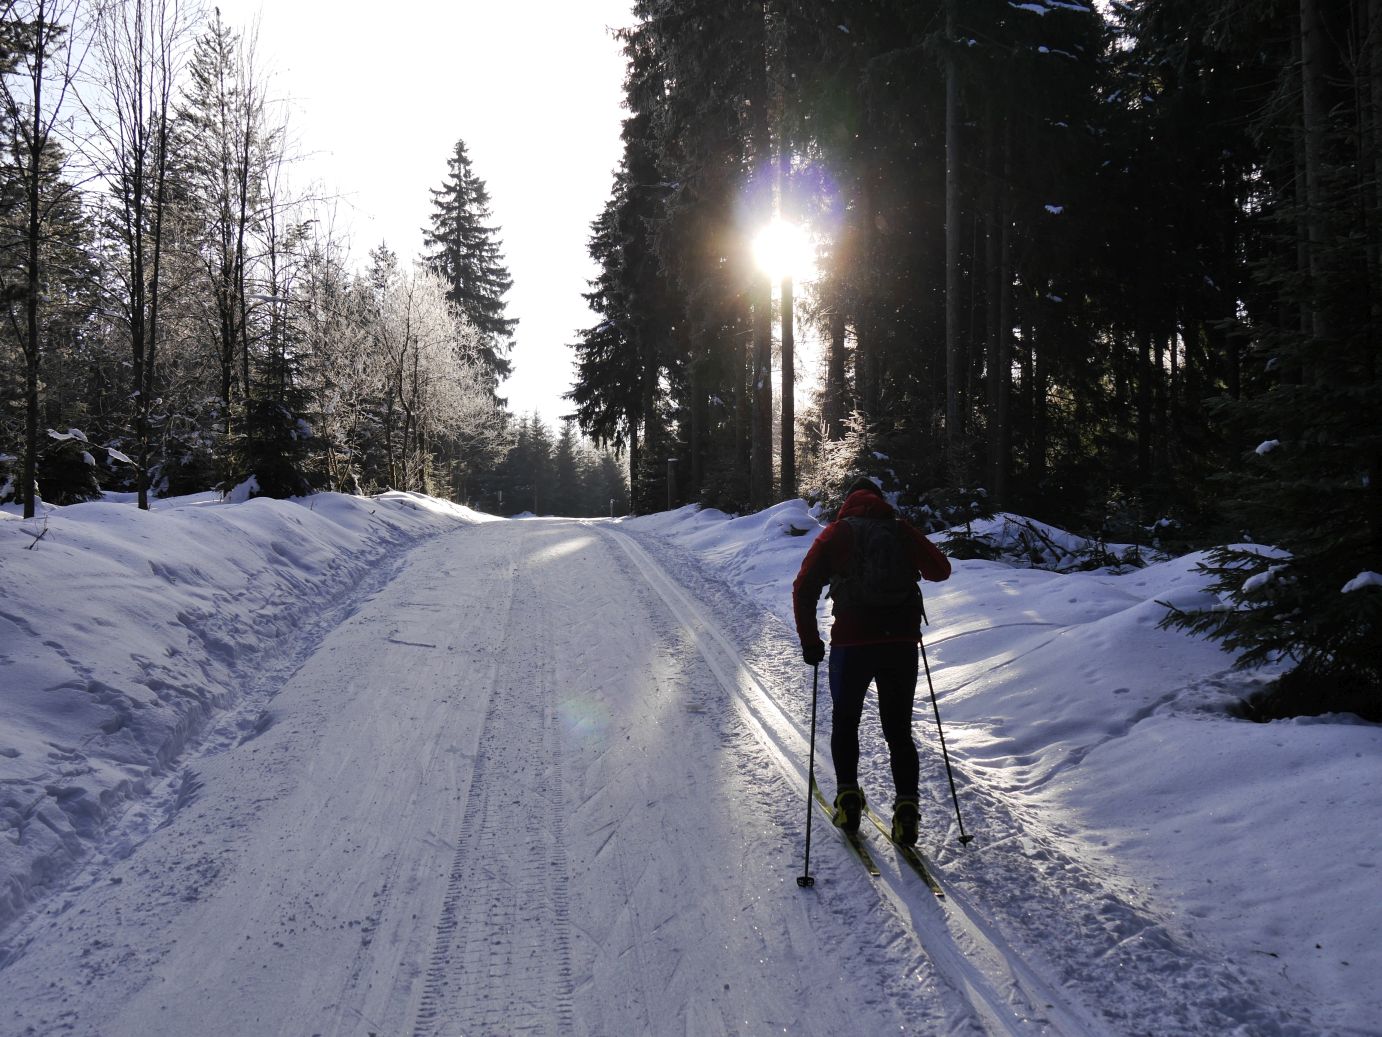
829,555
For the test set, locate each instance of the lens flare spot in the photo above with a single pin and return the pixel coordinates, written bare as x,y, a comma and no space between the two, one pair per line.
582,718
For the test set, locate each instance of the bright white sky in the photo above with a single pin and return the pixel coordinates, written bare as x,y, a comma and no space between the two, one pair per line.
381,94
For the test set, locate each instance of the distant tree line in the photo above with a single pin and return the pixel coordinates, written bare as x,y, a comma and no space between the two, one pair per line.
1117,267
178,315
561,474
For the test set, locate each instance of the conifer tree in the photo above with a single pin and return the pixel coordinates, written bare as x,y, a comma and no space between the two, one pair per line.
220,145
463,247
565,496
610,488
1308,478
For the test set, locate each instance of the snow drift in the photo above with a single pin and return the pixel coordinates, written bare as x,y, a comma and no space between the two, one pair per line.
124,634
1062,696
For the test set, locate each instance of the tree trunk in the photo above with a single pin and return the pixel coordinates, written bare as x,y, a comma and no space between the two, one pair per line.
1027,397
635,459
698,419
30,475
31,337
786,203
977,266
151,352
834,405
788,473
1160,431
1375,79
1223,337
1372,164
1314,115
1002,416
390,450
743,407
865,302
653,439
1000,332
138,300
995,354
866,365
761,389
242,173
229,340
1144,407
760,290
1174,385
1041,378
952,244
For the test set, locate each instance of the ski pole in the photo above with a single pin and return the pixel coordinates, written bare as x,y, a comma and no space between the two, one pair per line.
805,879
964,839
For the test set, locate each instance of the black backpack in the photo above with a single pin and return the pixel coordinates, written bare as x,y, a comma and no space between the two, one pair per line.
878,574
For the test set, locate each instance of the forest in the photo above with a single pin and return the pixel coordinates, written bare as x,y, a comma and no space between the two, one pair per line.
182,315
1117,266
1112,265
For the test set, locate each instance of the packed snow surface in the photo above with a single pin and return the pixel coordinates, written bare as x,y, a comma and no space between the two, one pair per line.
347,765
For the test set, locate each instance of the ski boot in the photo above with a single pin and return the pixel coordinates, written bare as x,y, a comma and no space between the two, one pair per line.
849,806
905,820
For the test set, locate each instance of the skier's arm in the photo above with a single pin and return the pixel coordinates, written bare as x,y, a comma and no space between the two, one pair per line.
926,556
811,579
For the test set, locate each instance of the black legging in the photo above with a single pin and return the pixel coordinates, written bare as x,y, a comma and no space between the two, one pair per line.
893,667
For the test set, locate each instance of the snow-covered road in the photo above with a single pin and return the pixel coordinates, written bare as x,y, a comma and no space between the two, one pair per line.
550,778
506,795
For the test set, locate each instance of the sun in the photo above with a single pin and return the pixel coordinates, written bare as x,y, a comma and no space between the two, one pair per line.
783,249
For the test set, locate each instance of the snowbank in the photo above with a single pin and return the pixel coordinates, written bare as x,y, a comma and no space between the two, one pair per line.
1061,694
123,633
756,552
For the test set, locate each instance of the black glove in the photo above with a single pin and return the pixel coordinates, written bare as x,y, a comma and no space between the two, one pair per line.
813,652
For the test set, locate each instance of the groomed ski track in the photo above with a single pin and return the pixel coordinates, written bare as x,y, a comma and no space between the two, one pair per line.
548,777
1004,994
1030,938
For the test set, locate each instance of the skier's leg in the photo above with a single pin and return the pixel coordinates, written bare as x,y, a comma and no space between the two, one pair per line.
849,680
897,686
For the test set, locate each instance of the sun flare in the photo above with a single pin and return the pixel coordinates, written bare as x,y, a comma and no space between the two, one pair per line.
783,249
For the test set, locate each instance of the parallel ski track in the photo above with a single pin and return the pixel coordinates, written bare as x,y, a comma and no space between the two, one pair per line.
501,951
1006,995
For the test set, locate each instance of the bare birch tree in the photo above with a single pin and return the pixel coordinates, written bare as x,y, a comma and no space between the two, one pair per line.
434,378
141,47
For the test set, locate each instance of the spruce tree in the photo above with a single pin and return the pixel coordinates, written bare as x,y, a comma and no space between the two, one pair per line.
1308,476
610,359
463,247
218,145
565,496
611,488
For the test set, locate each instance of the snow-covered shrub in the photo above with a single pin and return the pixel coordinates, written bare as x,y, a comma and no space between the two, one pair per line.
67,469
1276,609
722,489
274,451
954,509
839,462
189,462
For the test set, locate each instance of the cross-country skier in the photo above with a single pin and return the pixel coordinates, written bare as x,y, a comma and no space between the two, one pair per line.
872,559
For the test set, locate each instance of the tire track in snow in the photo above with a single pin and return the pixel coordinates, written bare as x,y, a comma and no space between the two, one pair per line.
501,956
1004,994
